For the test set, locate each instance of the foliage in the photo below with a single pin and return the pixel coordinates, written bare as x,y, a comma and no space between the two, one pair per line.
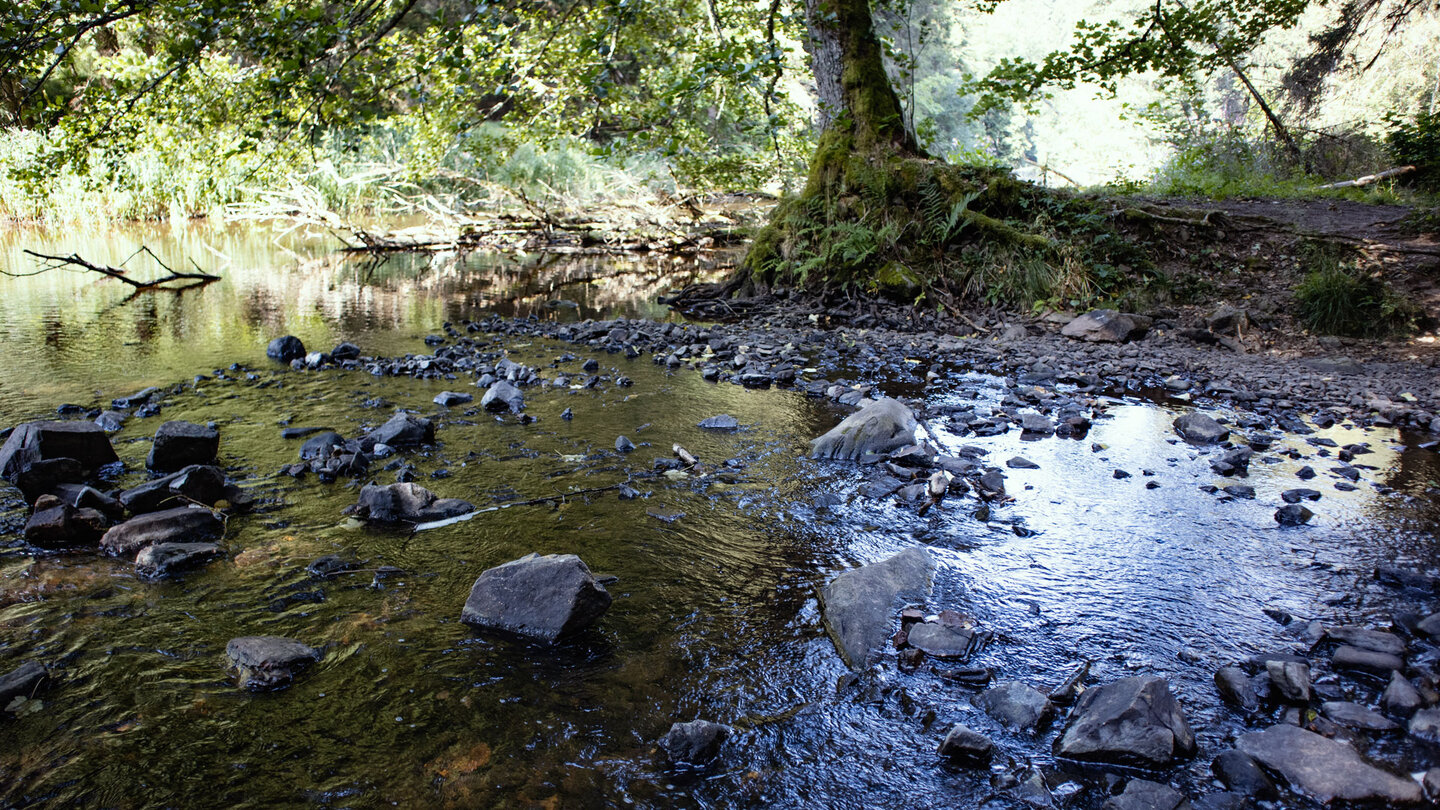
1337,297
1415,141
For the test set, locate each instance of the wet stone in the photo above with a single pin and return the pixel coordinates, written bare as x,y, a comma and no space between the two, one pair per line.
1019,463
181,525
1300,494
449,399
1132,721
1016,705
1239,772
1365,638
402,430
1401,698
539,598
405,503
1353,715
723,421
502,396
1197,428
163,559
180,444
623,444
1425,725
268,662
858,606
33,442
1293,514
1356,659
1234,687
23,681
1290,680
965,746
1325,769
695,742
285,349
941,641
880,427
1142,794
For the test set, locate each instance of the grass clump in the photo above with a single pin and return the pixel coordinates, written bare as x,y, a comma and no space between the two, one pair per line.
1338,297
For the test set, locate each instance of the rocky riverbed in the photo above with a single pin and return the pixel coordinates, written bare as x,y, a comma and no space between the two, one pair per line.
1009,582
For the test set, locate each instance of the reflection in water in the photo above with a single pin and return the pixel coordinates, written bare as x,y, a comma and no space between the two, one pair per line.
70,333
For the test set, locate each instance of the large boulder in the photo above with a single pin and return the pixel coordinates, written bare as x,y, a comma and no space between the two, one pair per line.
403,430
285,349
38,441
1107,326
859,605
880,426
181,444
540,598
1133,721
185,524
1324,769
405,503
268,662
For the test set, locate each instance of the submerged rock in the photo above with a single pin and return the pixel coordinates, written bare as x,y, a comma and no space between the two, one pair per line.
881,426
23,681
447,399
859,605
197,483
1133,721
185,524
181,444
32,442
722,422
268,662
695,742
405,503
540,598
1325,769
162,559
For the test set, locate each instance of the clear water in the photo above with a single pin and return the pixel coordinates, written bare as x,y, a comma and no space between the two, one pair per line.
715,613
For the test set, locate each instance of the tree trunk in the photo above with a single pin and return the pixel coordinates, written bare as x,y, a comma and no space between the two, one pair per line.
855,92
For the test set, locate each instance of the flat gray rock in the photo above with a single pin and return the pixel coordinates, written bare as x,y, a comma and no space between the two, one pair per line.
723,421
1197,428
1324,769
941,641
1353,715
268,662
1133,721
403,430
1142,794
965,746
859,605
1016,705
1107,326
183,525
405,502
880,427
540,598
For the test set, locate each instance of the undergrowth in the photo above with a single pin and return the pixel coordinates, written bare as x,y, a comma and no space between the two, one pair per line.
1338,297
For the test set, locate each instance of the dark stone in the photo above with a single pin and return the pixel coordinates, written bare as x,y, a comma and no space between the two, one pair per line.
1290,679
1299,494
185,524
1325,769
285,349
345,351
1401,698
82,496
1018,463
964,746
41,441
503,396
941,641
1142,794
1197,428
329,566
197,483
57,525
1016,705
23,681
1364,637
623,444
1293,514
268,662
1239,772
163,559
403,430
1305,473
1234,687
47,476
1133,721
1362,660
858,606
695,742
180,444
321,445
111,421
449,399
1425,725
541,598
405,503
1235,461
1242,491
880,427
1353,715
722,422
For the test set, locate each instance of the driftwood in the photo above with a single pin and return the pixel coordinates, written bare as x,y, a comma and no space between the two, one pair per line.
74,260
1368,179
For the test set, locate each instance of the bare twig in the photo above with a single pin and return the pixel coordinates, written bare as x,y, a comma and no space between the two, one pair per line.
74,260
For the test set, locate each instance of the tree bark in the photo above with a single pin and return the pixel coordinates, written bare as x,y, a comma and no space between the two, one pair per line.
854,89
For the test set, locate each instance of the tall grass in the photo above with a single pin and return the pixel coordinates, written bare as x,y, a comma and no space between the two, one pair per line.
1337,297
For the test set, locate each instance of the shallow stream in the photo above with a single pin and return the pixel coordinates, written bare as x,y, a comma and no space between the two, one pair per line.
715,612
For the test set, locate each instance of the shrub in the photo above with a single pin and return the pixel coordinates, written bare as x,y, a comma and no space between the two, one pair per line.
1416,142
1339,298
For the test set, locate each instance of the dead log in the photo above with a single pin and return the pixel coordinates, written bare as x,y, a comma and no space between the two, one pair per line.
1368,179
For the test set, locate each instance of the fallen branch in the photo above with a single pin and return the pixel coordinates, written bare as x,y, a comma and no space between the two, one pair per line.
74,260
1368,179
